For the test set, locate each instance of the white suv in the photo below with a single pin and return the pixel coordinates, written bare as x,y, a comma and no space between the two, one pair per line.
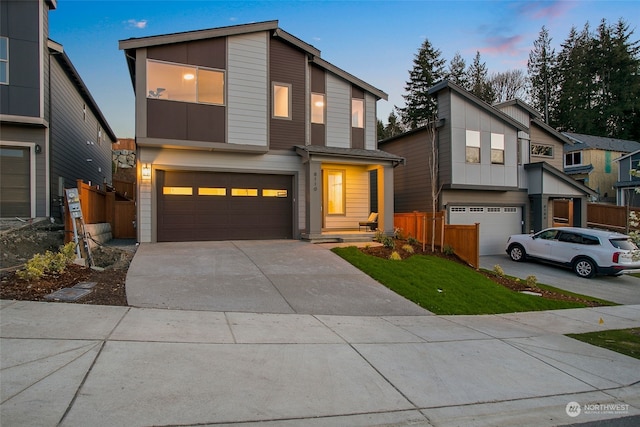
587,252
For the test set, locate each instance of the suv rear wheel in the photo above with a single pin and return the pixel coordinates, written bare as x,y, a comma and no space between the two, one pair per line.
584,267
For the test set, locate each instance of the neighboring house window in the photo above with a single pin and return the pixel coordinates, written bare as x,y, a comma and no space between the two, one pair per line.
573,159
282,101
473,147
4,60
357,113
317,108
99,136
497,148
541,150
184,83
335,192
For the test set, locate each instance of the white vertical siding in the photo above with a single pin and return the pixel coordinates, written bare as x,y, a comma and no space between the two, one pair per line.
144,216
247,89
370,122
357,198
338,112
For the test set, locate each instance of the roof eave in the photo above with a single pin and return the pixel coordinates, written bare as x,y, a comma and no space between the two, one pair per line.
350,78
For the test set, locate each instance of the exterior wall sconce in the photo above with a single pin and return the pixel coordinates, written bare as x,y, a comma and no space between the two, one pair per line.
146,171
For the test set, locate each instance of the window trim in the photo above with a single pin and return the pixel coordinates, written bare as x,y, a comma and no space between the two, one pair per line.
324,108
468,146
196,69
496,150
547,156
289,115
5,60
343,173
361,115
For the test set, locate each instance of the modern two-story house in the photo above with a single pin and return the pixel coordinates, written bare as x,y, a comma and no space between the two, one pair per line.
245,132
591,160
498,166
52,132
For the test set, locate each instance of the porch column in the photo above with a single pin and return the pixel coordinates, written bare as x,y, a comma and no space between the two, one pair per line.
385,199
314,198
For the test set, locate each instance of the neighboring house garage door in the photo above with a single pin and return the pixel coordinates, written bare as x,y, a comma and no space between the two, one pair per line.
223,206
497,223
15,188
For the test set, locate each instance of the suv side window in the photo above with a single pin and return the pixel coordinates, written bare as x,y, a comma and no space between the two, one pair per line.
547,235
590,240
569,237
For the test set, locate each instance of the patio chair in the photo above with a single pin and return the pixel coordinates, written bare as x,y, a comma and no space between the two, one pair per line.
371,223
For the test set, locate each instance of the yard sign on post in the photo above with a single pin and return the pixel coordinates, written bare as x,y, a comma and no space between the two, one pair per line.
75,210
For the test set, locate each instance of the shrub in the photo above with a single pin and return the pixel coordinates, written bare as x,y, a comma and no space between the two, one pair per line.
395,256
531,281
379,236
498,270
407,248
388,242
35,268
40,264
448,250
397,233
413,241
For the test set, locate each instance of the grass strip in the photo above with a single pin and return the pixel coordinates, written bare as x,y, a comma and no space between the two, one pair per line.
625,341
447,287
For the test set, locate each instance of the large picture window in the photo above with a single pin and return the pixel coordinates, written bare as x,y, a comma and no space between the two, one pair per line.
4,60
357,113
335,192
282,101
473,147
497,148
184,83
317,108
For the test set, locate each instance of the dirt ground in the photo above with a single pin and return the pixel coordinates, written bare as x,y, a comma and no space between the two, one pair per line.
20,241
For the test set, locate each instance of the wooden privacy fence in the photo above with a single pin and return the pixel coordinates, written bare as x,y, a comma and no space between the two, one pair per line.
99,206
610,217
463,239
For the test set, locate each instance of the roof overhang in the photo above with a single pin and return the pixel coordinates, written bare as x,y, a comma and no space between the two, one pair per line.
557,176
577,170
542,125
308,152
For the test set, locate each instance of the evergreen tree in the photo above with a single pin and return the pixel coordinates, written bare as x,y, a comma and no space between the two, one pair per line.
428,69
542,61
394,126
477,76
457,72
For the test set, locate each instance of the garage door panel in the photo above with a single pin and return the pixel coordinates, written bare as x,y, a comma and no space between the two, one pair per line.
15,182
213,213
497,223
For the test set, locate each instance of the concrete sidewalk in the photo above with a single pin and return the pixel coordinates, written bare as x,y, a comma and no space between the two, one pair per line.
79,365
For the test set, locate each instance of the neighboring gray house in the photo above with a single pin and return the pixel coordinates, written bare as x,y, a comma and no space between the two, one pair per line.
591,161
627,185
498,166
51,130
245,132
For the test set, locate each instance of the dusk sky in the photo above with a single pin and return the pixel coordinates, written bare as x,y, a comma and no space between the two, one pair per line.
373,40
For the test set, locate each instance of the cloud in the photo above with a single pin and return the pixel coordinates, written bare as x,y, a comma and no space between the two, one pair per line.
134,23
500,45
544,10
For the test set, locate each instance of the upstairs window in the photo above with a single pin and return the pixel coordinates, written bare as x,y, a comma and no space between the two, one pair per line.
282,101
184,83
4,60
573,159
357,113
473,147
541,150
317,108
497,149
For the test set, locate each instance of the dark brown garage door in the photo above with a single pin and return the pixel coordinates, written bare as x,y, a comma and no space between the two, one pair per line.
223,206
15,188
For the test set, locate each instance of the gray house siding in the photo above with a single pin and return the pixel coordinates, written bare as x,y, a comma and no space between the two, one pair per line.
20,23
444,138
76,151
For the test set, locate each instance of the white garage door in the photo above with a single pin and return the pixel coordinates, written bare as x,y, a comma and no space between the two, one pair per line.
497,223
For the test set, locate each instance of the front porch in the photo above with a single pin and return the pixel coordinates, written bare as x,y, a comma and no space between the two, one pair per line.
339,236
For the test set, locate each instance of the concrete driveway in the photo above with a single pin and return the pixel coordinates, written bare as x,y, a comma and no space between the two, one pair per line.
622,289
281,276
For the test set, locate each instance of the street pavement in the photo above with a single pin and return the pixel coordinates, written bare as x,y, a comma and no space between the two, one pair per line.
310,365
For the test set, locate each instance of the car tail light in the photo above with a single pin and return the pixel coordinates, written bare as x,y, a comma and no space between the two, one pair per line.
616,256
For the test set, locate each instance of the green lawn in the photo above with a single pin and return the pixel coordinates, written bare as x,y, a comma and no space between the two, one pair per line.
446,287
625,341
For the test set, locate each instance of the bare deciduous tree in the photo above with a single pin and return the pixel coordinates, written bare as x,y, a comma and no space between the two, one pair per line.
508,85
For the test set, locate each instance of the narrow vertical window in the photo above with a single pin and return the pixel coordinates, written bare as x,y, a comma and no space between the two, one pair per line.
282,101
497,148
473,147
317,108
357,113
4,60
335,192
